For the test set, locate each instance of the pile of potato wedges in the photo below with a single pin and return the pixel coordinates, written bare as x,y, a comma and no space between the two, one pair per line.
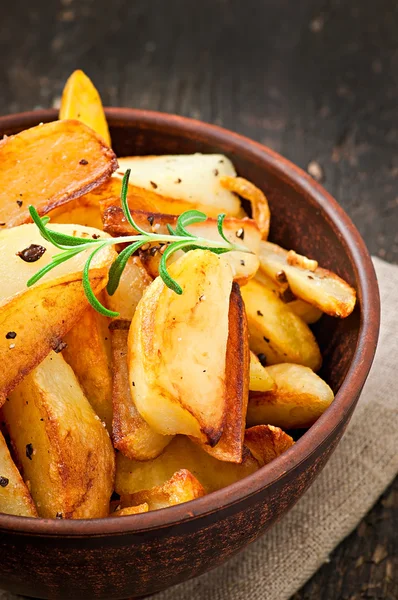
179,395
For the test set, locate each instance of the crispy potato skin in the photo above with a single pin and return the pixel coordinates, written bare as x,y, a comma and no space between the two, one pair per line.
259,202
64,449
181,487
181,453
177,385
42,166
276,331
266,442
15,498
299,398
230,446
132,436
88,352
81,101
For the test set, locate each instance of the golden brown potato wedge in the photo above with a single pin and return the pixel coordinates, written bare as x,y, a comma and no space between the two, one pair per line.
260,379
276,331
317,286
81,101
175,183
132,436
247,190
130,510
48,166
34,320
182,453
177,349
15,498
266,442
244,265
298,400
307,312
181,487
230,446
88,352
64,449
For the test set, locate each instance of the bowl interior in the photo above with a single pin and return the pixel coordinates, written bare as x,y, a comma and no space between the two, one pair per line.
304,217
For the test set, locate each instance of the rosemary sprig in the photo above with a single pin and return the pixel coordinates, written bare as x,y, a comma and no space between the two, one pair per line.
178,239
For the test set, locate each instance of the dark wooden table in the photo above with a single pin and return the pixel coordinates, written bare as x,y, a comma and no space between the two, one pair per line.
316,80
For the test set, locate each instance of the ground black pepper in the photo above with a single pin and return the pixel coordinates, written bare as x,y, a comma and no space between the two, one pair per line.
281,277
19,202
153,184
4,481
29,451
240,233
11,335
262,358
266,339
83,161
60,346
151,219
32,253
260,314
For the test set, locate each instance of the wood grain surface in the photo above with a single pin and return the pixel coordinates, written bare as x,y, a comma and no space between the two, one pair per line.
316,80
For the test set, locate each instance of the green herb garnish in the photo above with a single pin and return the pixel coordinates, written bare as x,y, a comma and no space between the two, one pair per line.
178,239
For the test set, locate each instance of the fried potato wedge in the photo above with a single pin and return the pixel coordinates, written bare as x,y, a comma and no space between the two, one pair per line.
48,166
258,200
34,320
176,183
177,349
132,284
88,352
15,498
260,379
81,101
298,400
307,312
182,453
64,449
230,446
132,436
276,331
319,287
181,487
131,510
266,442
244,265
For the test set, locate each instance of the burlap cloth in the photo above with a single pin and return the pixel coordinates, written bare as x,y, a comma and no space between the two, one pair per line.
364,463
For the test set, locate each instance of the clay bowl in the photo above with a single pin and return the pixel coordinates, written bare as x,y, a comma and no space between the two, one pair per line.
139,555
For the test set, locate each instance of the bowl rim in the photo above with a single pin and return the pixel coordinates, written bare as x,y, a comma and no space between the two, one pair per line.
346,397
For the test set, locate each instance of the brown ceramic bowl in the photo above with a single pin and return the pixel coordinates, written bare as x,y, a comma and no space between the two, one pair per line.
139,555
